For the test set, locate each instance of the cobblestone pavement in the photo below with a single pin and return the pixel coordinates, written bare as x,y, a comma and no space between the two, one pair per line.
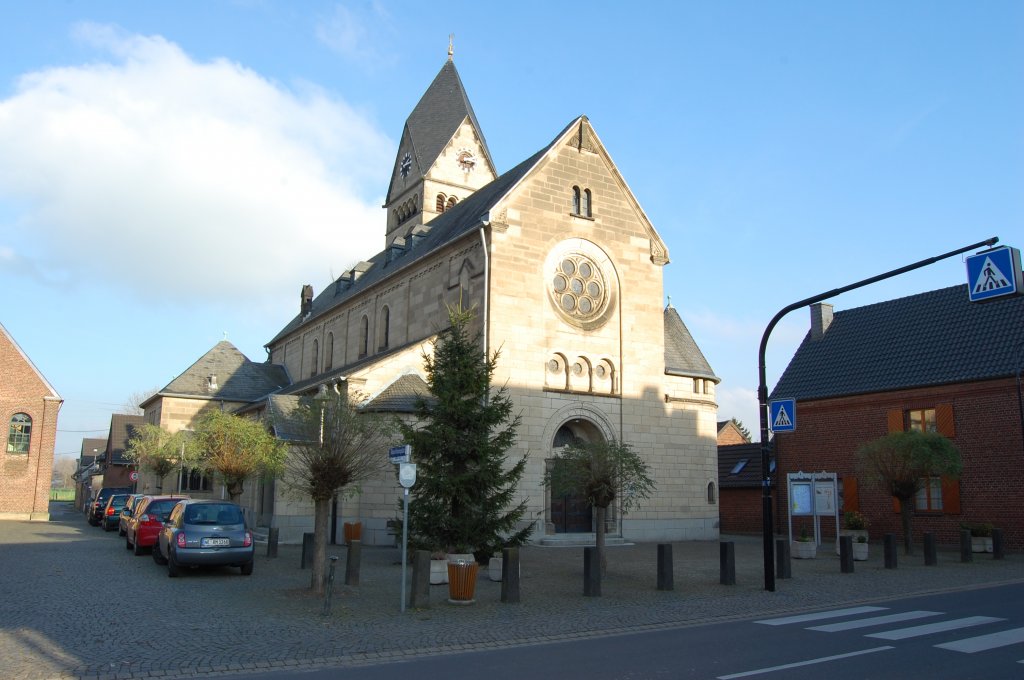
75,604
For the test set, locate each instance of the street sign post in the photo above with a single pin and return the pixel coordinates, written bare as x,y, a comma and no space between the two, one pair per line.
994,274
400,454
407,478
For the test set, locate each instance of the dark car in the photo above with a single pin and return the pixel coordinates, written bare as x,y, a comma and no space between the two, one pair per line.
205,533
127,511
112,513
145,525
98,504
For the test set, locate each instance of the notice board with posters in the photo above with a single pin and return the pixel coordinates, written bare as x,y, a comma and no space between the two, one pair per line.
815,495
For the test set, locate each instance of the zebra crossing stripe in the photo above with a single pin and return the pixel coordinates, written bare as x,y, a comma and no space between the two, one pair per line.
818,616
874,621
983,643
930,628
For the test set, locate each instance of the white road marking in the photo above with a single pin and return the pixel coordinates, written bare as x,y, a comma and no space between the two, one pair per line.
982,643
817,616
809,662
874,621
929,628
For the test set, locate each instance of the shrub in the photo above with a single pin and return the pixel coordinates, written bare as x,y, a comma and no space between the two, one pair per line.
854,521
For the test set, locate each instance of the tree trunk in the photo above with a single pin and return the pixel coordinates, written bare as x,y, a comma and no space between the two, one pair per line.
600,539
321,515
235,489
906,512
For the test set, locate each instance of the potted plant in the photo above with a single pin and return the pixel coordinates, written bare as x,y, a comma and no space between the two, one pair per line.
855,525
860,548
804,547
981,536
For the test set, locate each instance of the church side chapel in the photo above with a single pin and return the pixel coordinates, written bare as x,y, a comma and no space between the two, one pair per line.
564,273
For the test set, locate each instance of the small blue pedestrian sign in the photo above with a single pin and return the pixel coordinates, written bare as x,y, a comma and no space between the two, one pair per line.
994,273
783,415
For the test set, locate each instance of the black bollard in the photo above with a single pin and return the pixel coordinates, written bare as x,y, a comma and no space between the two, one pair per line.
272,538
591,573
931,557
307,551
890,551
665,576
846,554
966,553
352,563
510,575
727,563
783,567
419,597
997,544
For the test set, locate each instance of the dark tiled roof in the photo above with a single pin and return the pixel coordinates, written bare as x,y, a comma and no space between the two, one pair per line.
92,448
281,413
454,222
437,116
401,396
730,456
933,338
122,427
238,379
682,356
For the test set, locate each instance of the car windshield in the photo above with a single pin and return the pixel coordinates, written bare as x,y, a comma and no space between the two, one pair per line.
118,501
213,513
161,507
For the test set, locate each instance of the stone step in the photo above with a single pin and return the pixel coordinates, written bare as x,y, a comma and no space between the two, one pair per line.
583,540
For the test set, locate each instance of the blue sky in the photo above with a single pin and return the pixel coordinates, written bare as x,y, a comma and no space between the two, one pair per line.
176,171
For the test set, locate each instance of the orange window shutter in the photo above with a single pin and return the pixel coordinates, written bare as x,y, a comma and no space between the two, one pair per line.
851,503
950,496
896,505
895,420
944,420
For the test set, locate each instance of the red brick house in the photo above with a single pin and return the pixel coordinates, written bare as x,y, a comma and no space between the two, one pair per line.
931,361
28,406
115,467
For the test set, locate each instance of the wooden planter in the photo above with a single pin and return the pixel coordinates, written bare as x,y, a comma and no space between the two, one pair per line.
462,582
804,550
353,531
860,551
853,534
981,544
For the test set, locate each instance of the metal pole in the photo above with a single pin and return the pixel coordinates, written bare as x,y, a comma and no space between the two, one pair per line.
330,586
405,541
762,392
1020,401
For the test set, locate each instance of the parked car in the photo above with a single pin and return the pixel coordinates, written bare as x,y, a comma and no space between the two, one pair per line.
127,511
112,513
205,533
98,504
145,525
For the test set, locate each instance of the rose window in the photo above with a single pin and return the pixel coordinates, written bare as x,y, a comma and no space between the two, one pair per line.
578,287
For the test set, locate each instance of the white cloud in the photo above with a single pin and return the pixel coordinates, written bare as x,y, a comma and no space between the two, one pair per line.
179,180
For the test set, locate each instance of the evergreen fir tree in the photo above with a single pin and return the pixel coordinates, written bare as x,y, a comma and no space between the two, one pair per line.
464,492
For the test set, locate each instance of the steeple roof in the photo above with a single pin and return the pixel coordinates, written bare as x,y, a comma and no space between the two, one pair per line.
437,116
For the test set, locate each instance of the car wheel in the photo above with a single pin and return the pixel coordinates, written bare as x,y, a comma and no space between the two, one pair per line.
93,522
120,531
247,568
136,548
157,557
107,527
172,566
127,543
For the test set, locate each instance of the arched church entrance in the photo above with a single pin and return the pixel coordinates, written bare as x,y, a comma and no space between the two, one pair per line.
569,513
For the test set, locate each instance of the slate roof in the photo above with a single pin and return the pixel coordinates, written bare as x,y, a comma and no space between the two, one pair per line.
749,475
280,414
932,338
437,116
122,427
89,445
238,379
682,356
453,223
401,396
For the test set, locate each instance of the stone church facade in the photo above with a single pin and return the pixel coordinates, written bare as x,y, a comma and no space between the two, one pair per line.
564,271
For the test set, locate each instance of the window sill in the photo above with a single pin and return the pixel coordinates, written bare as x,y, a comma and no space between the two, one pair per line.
582,217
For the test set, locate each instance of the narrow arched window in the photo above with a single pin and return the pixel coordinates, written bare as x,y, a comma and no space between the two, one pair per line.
585,208
451,202
329,353
364,342
384,327
575,200
711,493
20,433
439,205
316,358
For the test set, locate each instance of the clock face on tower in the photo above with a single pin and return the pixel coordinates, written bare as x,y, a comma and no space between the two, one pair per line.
406,165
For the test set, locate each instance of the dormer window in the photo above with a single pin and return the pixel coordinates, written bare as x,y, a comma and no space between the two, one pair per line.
211,383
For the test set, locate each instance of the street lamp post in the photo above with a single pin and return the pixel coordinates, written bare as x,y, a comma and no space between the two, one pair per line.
762,393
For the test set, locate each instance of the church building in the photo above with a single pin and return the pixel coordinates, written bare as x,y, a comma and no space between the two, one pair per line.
564,271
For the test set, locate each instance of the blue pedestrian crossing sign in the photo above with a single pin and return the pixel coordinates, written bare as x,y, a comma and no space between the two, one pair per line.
782,415
994,274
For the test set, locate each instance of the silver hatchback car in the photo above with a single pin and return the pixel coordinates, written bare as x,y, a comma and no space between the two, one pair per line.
205,533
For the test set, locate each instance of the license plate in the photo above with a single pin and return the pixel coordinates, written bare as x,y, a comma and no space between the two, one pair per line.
215,542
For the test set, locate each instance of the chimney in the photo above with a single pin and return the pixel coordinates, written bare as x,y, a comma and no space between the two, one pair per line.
307,299
821,319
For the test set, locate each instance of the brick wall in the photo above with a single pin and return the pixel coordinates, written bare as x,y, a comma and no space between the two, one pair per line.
740,511
987,432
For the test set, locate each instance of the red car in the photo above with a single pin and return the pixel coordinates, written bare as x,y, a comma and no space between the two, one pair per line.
144,527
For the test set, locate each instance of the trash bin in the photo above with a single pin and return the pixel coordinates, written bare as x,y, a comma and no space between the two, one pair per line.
462,582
